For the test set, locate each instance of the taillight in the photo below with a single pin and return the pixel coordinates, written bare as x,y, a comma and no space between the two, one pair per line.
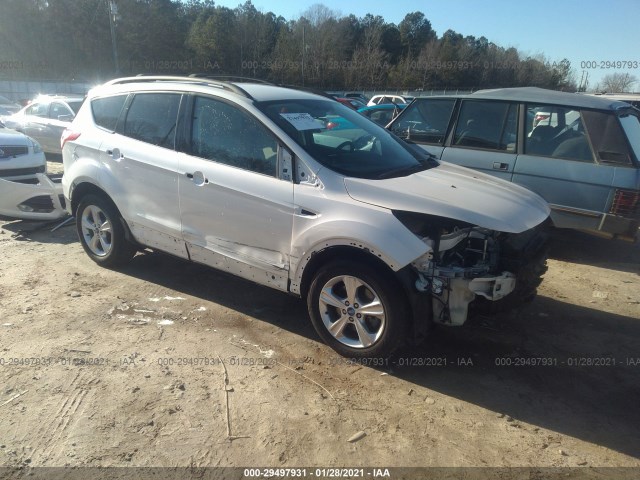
626,203
330,125
68,135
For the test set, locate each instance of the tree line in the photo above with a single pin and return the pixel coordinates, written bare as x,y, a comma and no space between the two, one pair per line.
71,40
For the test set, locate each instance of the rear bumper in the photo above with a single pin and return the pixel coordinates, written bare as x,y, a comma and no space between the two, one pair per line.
32,201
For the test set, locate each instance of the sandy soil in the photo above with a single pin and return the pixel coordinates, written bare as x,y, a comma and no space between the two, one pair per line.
166,363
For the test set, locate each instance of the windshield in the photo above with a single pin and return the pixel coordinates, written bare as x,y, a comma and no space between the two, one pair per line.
345,141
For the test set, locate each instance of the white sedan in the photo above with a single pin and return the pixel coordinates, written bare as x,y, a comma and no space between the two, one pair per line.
25,190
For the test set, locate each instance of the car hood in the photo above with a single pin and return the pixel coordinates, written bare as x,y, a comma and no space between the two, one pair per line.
11,137
455,192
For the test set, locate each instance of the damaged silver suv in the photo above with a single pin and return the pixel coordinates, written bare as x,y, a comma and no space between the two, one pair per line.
252,179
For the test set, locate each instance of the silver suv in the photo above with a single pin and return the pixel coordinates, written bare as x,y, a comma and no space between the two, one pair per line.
377,236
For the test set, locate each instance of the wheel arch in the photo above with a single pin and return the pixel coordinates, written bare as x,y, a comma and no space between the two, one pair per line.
88,188
330,253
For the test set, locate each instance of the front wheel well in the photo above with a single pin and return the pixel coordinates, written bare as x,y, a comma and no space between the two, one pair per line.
335,253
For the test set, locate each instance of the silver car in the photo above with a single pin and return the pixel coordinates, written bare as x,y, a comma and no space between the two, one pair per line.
378,237
580,153
45,119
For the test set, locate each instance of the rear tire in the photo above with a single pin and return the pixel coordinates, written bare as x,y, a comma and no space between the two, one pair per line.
101,232
357,310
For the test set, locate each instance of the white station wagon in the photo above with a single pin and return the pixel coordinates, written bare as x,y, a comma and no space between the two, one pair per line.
377,236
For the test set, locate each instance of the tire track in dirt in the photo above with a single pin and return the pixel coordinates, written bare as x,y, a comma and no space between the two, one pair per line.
47,441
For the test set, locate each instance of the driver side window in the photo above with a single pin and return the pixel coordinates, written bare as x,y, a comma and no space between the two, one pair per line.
225,134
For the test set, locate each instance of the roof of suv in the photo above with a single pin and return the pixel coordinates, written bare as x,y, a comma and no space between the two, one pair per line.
544,96
252,90
63,98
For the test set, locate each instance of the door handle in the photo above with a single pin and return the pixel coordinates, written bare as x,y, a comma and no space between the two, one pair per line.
500,166
115,154
198,178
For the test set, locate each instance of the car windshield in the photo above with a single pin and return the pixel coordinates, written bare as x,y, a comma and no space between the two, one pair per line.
345,141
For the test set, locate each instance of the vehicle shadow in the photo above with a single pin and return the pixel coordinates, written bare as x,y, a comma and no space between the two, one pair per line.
40,231
597,404
579,247
561,367
243,296
54,157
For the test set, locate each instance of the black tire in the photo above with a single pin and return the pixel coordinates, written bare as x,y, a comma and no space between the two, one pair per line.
120,250
382,337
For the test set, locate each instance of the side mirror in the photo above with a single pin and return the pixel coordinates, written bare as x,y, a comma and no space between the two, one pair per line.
65,118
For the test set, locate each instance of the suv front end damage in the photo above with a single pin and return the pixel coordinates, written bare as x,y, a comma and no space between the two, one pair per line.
468,269
35,198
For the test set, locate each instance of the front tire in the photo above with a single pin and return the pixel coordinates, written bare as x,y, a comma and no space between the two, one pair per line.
357,311
101,232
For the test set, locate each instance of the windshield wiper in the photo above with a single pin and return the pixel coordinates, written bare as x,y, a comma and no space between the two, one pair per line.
425,164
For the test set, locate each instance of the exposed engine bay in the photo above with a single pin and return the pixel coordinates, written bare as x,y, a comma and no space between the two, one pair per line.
462,267
465,262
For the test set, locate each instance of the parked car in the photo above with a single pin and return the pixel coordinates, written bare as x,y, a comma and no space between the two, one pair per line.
582,158
381,99
45,119
630,98
382,114
358,96
8,107
25,190
351,102
377,236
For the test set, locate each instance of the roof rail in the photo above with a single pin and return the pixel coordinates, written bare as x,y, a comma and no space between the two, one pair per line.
230,78
161,78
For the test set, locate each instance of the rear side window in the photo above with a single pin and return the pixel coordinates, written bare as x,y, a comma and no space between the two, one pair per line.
607,137
557,132
106,111
488,125
425,121
58,109
152,118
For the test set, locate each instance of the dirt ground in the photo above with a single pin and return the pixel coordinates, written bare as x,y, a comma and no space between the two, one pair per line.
167,363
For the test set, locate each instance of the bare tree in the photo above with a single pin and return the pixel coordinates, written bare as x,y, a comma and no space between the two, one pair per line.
617,82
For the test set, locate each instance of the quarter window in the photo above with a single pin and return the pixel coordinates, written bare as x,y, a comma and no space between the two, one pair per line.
225,134
106,111
152,118
487,125
557,132
607,137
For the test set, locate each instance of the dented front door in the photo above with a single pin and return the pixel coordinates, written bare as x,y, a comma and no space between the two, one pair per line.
237,215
